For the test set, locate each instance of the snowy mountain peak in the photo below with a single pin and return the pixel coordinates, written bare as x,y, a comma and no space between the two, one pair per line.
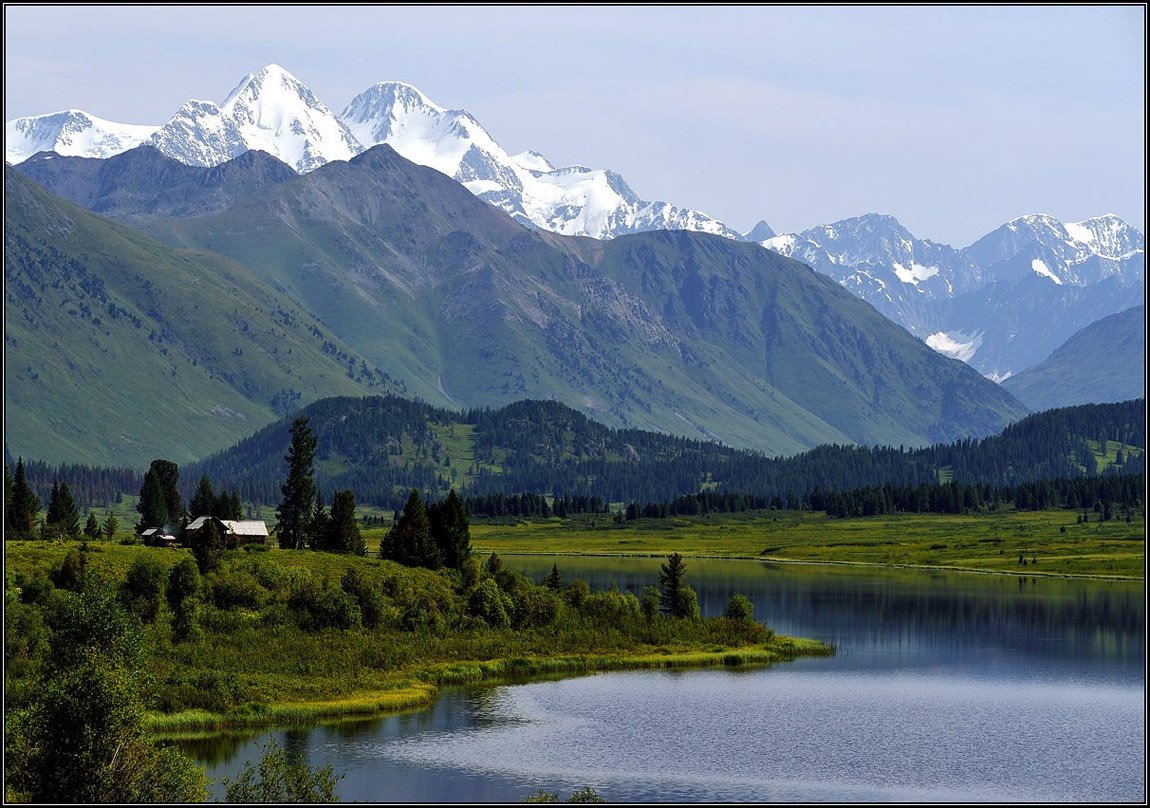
273,111
1108,236
533,161
70,132
269,110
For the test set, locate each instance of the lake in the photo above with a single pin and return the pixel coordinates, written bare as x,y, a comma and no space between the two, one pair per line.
946,687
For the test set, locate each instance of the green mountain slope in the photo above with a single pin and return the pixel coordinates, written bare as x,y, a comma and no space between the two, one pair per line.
119,350
1103,362
381,447
681,333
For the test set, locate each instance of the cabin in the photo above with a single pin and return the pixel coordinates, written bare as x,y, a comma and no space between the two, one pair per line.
158,537
235,533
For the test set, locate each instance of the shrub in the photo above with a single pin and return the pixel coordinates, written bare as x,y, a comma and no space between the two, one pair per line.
740,609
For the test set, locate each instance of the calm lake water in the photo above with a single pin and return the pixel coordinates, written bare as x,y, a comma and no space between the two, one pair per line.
945,688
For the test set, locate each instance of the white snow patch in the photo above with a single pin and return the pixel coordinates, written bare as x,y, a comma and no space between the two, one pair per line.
1039,266
915,274
957,345
998,378
1079,233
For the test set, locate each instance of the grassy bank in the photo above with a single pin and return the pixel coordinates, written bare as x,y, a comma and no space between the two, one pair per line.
283,637
414,696
1050,542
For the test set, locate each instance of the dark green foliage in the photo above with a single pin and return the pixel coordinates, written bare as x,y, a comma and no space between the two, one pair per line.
585,794
491,604
687,605
93,624
672,582
153,506
577,592
409,541
21,508
168,475
319,527
592,464
740,609
276,779
649,603
235,589
298,490
92,527
554,579
81,739
111,526
207,547
63,516
450,530
183,588
342,529
203,503
366,594
143,589
72,572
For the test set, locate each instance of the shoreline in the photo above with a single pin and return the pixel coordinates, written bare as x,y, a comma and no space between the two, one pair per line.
424,686
876,564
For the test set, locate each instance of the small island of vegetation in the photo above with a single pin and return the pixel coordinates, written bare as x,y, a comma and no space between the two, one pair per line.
111,647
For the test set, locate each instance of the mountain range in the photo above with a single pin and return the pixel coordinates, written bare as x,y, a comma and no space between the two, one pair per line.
1002,304
1104,362
412,281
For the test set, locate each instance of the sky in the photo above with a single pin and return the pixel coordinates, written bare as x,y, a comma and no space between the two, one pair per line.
954,119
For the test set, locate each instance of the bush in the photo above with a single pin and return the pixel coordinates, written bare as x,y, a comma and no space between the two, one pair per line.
367,595
233,589
143,589
740,609
275,779
491,604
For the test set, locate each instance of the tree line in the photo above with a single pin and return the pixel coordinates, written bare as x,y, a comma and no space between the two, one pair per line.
387,446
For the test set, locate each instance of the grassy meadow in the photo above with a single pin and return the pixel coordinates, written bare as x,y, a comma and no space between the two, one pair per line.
1050,542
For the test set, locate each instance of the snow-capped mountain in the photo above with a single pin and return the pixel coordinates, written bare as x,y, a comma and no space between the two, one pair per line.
1077,254
573,200
271,111
1001,304
880,261
73,133
981,304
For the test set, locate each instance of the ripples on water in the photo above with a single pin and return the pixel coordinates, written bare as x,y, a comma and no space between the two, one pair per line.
946,689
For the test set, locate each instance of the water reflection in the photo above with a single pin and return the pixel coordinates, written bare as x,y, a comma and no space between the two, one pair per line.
946,687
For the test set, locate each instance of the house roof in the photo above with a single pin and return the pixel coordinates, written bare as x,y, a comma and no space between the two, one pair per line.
248,527
252,527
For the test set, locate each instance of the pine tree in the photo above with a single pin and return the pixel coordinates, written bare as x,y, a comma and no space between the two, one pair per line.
343,534
111,525
451,531
21,510
208,547
320,526
168,474
409,540
92,528
672,582
204,501
294,512
153,508
63,515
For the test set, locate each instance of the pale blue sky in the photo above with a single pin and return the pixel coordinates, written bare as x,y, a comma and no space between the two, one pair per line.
953,119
